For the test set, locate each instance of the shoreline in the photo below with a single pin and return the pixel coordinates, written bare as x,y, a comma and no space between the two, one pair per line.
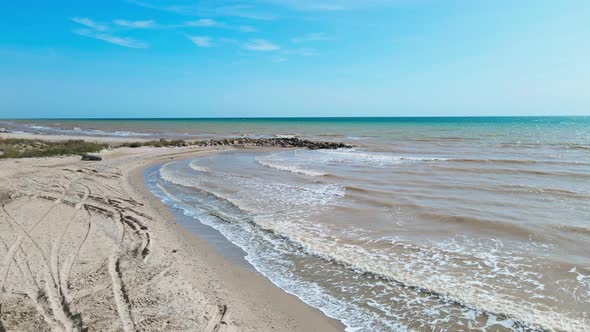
231,274
223,295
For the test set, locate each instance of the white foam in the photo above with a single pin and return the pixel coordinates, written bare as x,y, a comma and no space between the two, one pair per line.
80,131
272,262
198,168
309,162
289,168
498,277
274,266
38,127
375,159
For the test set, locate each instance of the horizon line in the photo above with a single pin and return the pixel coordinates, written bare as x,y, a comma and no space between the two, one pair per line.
298,117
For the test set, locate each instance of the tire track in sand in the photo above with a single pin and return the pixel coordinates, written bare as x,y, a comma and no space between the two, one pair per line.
58,304
114,268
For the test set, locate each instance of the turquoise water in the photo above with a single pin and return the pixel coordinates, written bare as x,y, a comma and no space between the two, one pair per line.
546,129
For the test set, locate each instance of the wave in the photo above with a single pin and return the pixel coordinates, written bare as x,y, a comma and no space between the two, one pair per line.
198,168
499,309
419,267
547,190
290,168
481,224
254,240
497,161
293,163
573,146
286,135
506,170
32,128
314,195
352,155
519,161
574,229
318,297
578,147
523,314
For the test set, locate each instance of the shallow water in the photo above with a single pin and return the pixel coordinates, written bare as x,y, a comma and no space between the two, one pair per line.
439,224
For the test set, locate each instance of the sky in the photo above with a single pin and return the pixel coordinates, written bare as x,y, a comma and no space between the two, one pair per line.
282,58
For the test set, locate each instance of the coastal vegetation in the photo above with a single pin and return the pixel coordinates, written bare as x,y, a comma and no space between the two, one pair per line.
30,148
162,142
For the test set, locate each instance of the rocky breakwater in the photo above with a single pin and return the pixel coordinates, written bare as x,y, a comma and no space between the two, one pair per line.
274,142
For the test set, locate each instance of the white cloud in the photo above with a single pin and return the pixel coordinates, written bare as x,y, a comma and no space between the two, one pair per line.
201,41
302,52
244,11
121,41
135,24
260,45
330,5
204,22
99,31
316,36
89,23
171,8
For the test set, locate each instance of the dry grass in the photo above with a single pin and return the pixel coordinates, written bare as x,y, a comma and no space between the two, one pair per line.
30,148
158,144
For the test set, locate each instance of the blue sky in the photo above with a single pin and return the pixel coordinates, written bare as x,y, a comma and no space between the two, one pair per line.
261,58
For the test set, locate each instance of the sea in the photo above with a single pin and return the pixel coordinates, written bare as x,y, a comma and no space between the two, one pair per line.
426,224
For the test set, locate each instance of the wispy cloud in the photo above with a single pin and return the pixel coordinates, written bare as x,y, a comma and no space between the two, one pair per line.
210,8
100,32
178,9
204,22
310,37
329,5
244,11
121,41
89,23
136,24
260,45
201,41
302,52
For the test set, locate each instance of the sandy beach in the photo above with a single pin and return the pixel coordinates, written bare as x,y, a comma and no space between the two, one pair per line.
84,245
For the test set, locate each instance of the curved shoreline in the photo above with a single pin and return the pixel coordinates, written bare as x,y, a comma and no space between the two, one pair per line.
189,283
244,285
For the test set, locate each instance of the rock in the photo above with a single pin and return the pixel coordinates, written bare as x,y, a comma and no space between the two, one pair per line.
284,142
91,157
4,131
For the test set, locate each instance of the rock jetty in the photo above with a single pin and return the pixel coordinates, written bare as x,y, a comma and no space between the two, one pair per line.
283,142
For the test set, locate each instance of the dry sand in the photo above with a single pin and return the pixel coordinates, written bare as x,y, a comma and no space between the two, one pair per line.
84,245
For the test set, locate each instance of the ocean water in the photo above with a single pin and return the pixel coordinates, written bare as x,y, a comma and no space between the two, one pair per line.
441,224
